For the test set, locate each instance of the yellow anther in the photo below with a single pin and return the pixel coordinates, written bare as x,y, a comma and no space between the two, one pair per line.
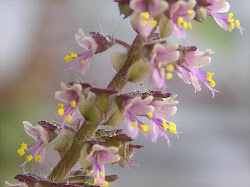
101,174
180,20
60,105
73,104
169,76
134,123
21,152
24,146
118,158
230,15
162,71
190,25
68,118
170,67
185,25
29,158
144,22
172,127
73,55
60,112
95,181
67,58
159,65
105,184
150,115
231,26
189,12
38,158
164,125
145,128
67,182
212,83
145,15
90,172
237,22
209,76
83,62
153,23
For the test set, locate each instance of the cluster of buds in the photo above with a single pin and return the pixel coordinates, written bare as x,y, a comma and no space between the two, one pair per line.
85,111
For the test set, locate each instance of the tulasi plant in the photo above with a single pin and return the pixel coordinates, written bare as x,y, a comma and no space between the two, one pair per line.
84,109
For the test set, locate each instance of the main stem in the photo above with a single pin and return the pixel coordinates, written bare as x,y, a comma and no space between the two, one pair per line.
88,128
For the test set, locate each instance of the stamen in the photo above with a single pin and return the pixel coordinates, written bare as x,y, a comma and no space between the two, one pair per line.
172,127
90,172
95,181
68,118
67,58
169,76
145,128
60,105
105,184
180,20
118,158
164,125
159,65
73,104
73,55
60,111
209,76
185,25
135,123
153,23
231,26
21,152
144,22
83,62
150,115
190,25
145,15
38,158
237,22
189,12
212,83
230,15
101,174
24,146
29,158
170,67
162,71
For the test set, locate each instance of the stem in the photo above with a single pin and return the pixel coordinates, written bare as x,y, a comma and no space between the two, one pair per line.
124,44
134,54
88,128
72,155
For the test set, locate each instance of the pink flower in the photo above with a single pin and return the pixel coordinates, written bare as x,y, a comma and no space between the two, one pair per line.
43,134
133,107
216,9
161,59
181,13
163,108
188,69
99,156
72,96
152,6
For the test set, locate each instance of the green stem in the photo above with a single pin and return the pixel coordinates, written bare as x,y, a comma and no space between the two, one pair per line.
88,128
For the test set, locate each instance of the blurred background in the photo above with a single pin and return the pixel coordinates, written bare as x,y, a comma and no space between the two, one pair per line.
213,149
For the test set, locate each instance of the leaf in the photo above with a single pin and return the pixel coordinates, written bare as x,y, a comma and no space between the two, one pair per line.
164,27
138,71
117,60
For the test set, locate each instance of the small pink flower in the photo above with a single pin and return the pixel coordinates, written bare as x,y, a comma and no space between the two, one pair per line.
99,156
181,13
72,96
216,9
161,59
43,134
152,6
